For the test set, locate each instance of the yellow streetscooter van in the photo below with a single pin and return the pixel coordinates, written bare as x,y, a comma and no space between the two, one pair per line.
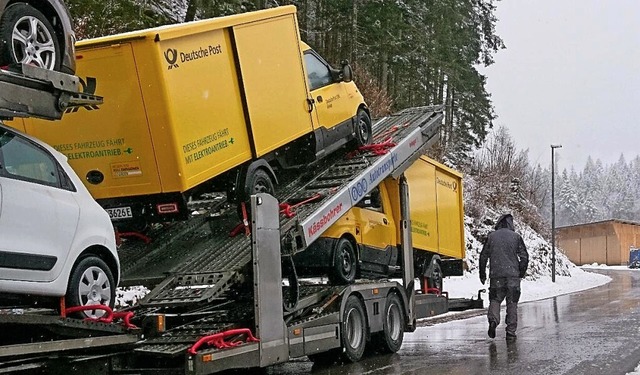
365,242
211,105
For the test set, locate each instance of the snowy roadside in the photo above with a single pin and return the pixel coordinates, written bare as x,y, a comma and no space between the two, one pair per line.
467,286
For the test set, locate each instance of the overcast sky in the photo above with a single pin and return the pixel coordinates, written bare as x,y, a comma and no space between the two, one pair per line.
570,75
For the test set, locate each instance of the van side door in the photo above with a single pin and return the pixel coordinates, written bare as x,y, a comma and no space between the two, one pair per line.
378,248
333,108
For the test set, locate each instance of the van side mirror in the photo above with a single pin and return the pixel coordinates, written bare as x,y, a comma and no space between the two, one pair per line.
347,72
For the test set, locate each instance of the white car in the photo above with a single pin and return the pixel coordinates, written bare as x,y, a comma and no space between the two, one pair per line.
55,240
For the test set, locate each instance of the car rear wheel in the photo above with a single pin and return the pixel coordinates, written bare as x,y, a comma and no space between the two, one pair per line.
435,277
344,263
91,283
364,132
28,37
258,182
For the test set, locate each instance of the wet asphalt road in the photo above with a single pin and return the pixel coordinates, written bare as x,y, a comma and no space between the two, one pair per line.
591,332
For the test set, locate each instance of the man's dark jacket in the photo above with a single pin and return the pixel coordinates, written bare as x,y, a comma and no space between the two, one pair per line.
507,251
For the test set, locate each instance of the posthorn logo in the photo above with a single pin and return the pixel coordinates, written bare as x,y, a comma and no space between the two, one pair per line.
171,55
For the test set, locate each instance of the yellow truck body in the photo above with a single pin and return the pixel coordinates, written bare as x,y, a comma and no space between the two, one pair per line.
199,104
366,240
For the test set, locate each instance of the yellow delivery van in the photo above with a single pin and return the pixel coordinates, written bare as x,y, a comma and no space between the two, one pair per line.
217,104
365,242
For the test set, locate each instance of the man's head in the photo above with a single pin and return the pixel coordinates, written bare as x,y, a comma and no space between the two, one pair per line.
505,221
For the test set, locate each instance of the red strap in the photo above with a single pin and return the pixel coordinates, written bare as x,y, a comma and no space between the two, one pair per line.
217,340
108,317
245,219
288,209
243,226
121,235
126,318
378,148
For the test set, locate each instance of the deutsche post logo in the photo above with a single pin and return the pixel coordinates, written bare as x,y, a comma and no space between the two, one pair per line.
171,55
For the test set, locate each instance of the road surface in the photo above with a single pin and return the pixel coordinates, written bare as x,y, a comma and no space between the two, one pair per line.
591,332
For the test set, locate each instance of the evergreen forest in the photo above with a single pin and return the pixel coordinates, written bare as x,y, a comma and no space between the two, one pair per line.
412,53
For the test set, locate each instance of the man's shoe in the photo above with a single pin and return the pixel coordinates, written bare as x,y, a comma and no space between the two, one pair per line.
511,336
492,330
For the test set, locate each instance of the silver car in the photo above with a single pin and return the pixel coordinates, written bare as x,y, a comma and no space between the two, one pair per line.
37,32
55,240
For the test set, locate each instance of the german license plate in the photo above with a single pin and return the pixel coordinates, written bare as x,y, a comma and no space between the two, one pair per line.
118,213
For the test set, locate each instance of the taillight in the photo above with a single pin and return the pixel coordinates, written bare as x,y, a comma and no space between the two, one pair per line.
167,208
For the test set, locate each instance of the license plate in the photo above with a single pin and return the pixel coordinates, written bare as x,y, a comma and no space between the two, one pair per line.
120,213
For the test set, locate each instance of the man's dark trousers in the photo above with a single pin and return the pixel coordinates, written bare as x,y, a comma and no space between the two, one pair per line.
499,289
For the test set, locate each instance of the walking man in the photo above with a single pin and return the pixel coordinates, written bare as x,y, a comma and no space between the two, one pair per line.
509,260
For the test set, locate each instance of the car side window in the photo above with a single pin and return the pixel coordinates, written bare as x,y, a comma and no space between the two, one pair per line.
23,160
317,72
372,201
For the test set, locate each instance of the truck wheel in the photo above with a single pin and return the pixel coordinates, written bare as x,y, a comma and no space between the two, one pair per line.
354,330
390,339
91,283
364,132
29,38
344,263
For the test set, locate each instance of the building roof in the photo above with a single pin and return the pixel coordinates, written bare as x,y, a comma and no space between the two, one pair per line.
601,222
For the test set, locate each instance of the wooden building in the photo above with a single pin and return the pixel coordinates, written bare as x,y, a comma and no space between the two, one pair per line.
603,242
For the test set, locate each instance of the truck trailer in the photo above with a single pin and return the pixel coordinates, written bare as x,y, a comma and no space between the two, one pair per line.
222,298
226,295
211,105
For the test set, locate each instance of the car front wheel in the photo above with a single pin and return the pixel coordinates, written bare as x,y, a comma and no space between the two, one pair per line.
91,283
28,37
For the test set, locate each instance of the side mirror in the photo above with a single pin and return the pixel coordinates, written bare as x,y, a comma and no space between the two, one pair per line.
347,72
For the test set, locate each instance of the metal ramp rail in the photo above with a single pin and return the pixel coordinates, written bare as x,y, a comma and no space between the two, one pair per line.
29,91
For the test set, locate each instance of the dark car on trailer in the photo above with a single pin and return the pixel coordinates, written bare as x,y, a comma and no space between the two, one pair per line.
37,32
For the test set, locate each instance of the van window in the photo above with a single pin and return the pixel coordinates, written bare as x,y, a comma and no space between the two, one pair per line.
372,201
317,72
24,161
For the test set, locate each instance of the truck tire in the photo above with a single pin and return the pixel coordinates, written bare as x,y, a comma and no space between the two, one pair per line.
28,37
354,330
91,283
390,339
364,132
344,266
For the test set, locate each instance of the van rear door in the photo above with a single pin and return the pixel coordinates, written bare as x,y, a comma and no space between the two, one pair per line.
109,146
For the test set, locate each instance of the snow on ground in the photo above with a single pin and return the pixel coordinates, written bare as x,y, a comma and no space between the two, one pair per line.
467,286
129,296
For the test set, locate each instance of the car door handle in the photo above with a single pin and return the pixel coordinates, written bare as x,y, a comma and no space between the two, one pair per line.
310,103
319,99
385,221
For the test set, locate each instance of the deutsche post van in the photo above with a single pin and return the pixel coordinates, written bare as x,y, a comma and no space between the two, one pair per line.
213,105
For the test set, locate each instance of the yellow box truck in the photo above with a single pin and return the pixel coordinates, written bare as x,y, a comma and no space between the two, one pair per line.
217,104
366,240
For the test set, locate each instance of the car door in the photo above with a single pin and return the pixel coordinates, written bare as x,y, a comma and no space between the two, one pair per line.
377,233
330,96
38,211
